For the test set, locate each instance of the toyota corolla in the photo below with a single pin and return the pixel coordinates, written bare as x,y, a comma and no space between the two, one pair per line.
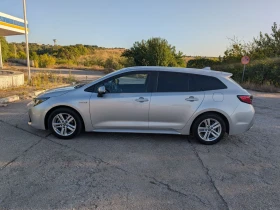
204,103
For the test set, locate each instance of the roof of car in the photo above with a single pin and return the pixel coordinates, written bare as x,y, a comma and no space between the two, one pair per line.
179,69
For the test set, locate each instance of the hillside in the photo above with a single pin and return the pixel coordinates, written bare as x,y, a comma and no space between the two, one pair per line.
72,56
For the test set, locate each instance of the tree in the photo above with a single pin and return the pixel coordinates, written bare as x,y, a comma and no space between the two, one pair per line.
21,55
154,52
4,47
235,52
265,46
268,45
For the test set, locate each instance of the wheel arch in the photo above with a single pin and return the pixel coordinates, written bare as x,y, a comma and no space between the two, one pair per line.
213,112
58,107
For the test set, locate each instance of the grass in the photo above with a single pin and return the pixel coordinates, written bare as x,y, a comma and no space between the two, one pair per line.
262,88
39,81
95,61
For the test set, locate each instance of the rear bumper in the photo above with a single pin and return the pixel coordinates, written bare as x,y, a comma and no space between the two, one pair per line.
242,119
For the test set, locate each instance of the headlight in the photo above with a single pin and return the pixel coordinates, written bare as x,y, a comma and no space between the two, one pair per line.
38,101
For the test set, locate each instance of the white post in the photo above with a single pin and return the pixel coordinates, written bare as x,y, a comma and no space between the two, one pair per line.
26,41
243,72
1,62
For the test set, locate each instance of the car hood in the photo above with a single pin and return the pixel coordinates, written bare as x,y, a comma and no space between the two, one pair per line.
56,92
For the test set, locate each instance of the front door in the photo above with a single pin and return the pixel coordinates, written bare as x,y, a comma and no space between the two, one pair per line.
125,105
172,105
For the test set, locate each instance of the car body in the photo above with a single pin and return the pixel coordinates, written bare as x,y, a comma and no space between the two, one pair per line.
148,100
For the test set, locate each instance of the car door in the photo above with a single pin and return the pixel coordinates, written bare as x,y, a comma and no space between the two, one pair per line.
172,105
125,105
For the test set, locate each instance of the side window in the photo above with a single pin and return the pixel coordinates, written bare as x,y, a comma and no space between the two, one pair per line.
204,83
172,82
128,83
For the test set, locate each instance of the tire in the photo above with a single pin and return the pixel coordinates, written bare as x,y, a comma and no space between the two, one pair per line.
59,126
209,134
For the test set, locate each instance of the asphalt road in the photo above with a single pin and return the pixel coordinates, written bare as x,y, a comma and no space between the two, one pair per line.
140,171
80,75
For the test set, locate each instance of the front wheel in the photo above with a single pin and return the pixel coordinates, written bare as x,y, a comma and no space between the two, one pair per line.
209,129
65,123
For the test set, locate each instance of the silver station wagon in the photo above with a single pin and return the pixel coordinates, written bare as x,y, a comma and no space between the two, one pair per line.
204,103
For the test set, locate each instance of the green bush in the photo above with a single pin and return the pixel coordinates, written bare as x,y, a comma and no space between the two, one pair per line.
61,61
93,61
46,61
201,63
263,72
110,63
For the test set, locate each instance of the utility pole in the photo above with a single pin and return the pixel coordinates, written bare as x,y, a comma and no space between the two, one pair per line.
15,49
26,41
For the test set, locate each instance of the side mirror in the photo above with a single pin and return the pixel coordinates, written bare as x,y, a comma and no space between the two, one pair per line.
101,90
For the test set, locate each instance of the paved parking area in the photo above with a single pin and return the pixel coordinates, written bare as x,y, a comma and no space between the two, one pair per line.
140,171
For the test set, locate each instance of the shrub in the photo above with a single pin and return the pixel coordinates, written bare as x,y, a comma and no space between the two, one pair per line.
261,72
61,61
201,63
111,63
46,61
107,71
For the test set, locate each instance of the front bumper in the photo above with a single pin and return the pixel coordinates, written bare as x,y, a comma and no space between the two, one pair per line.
36,116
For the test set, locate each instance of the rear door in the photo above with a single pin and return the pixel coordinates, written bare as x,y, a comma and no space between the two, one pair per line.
172,104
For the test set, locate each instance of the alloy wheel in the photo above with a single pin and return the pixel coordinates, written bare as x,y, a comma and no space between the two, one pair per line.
209,129
64,124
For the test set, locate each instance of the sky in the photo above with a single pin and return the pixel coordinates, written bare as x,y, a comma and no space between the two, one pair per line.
197,27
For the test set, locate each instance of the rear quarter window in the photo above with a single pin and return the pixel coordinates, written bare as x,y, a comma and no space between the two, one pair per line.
204,83
172,82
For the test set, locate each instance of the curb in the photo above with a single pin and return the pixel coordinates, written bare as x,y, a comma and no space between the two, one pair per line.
35,93
14,98
9,99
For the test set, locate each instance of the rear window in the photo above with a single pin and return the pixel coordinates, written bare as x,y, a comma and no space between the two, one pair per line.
204,83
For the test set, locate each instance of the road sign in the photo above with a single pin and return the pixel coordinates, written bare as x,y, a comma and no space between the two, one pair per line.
245,60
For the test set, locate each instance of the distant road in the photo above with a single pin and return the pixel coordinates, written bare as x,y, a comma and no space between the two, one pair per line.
79,74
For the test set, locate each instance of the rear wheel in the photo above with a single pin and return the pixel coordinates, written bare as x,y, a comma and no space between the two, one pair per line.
209,128
65,123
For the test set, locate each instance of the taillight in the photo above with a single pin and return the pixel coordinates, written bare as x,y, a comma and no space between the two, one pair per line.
246,99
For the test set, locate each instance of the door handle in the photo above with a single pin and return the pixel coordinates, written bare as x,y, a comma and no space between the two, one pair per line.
191,99
141,100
